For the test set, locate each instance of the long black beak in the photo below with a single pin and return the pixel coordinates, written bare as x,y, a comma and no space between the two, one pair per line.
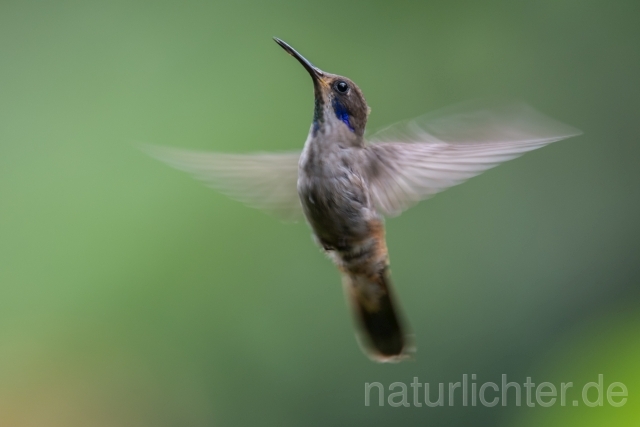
315,72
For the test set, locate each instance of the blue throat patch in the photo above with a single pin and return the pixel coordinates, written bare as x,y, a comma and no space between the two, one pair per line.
341,113
318,116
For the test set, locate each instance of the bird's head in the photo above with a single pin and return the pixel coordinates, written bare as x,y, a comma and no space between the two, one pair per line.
339,103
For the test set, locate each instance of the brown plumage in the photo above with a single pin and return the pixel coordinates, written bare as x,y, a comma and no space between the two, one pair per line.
343,185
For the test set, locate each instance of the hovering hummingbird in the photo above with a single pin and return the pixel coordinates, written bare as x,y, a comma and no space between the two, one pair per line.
344,186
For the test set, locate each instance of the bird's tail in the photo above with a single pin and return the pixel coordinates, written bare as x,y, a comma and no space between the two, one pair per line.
382,333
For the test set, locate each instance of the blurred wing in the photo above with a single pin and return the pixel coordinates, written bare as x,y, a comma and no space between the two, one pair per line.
265,181
414,160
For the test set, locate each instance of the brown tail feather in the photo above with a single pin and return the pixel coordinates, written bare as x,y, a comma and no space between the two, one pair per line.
372,300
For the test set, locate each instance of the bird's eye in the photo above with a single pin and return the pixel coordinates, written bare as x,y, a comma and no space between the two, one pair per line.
342,87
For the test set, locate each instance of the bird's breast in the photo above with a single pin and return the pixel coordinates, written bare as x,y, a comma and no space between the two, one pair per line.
334,196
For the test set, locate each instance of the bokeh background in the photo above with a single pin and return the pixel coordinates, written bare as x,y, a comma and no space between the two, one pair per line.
131,295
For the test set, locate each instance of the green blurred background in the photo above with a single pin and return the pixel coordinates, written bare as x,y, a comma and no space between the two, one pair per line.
131,295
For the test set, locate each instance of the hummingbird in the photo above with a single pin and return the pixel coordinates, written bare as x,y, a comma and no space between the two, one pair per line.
344,184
